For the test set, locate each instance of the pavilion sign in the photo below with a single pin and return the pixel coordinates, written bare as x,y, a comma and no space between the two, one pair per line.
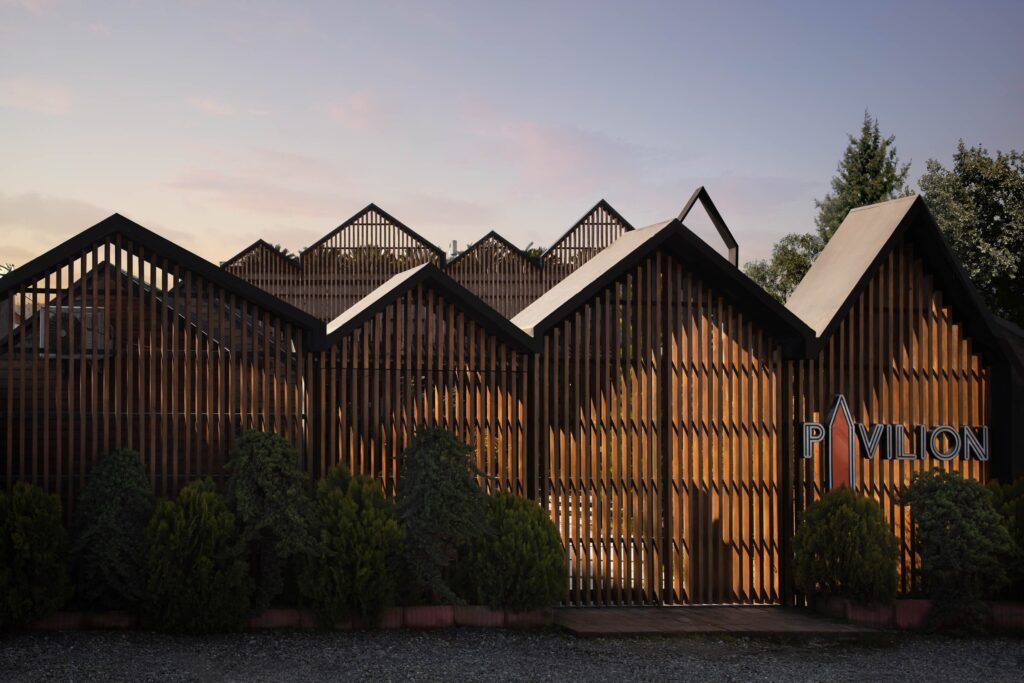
842,439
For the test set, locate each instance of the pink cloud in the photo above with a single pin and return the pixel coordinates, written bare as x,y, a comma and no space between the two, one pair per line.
211,106
35,96
37,7
552,159
214,106
256,195
99,28
360,111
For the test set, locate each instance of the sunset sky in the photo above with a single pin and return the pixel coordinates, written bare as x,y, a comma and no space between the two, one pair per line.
215,123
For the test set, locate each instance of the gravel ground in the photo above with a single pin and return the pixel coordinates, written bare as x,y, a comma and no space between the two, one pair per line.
470,654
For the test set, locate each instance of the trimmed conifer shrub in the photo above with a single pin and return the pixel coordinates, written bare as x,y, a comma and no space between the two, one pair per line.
520,564
963,543
442,510
1008,500
844,547
197,579
34,572
357,547
109,528
270,497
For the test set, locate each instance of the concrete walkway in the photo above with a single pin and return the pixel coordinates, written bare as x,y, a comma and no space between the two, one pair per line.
684,620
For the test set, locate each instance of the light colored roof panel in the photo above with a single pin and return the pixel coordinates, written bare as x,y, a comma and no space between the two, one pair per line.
847,256
371,299
574,283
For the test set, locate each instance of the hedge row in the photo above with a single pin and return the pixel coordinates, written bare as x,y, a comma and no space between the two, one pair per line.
968,537
206,561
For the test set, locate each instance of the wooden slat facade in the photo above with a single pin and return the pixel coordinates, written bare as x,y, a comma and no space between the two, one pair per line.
121,347
361,254
900,356
656,420
505,277
269,269
601,226
658,429
423,361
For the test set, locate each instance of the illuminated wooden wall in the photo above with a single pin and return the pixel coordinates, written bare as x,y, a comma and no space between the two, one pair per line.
657,425
900,356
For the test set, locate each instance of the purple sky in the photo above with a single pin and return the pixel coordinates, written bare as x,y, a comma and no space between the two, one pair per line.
218,122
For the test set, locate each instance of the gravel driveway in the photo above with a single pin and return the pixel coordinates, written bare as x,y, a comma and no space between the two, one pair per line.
469,654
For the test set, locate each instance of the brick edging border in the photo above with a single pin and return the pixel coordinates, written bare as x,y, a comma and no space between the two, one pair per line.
910,614
415,617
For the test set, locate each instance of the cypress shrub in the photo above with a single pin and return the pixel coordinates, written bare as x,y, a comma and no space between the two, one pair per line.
357,545
197,578
34,572
270,497
844,547
520,564
441,509
109,533
963,543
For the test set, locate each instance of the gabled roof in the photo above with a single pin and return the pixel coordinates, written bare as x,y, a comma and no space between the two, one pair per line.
630,249
129,282
390,219
262,243
497,237
602,204
118,224
429,274
857,249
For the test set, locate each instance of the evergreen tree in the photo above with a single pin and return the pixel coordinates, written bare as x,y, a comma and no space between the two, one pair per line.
979,205
869,172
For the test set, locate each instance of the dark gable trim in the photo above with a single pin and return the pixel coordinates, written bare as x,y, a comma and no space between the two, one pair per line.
602,204
118,224
386,216
508,245
957,289
466,301
701,195
717,273
294,262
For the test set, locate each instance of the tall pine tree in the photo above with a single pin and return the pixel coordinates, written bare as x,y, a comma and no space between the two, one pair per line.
869,172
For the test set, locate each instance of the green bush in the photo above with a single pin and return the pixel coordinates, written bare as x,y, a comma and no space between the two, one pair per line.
109,533
963,544
520,564
441,509
197,578
844,547
357,548
270,496
34,576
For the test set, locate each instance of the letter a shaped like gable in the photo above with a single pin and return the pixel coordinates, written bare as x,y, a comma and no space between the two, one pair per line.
841,461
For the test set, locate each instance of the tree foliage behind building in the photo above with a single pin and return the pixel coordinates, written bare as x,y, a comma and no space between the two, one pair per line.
979,205
869,172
